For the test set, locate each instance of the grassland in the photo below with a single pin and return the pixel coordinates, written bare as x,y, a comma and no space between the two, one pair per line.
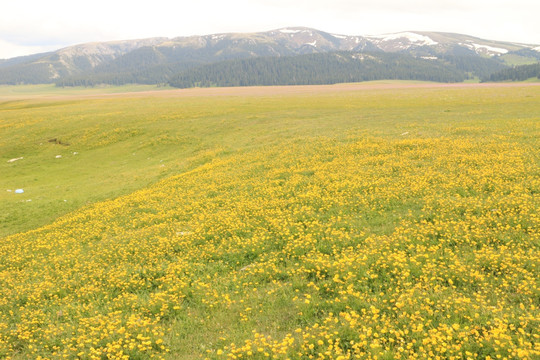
386,221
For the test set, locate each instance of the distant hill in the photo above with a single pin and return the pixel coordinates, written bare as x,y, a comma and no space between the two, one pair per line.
157,60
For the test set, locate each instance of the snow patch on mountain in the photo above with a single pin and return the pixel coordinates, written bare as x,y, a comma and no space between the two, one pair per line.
414,38
314,43
537,48
289,31
339,36
478,48
490,48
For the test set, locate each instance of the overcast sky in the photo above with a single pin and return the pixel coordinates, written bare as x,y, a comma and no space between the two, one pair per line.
30,26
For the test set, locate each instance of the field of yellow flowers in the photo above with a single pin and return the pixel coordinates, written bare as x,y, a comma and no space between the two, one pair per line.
404,226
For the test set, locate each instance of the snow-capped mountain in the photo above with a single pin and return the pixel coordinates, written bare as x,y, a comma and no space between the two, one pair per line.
172,55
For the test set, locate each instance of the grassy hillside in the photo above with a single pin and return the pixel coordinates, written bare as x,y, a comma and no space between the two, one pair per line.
385,222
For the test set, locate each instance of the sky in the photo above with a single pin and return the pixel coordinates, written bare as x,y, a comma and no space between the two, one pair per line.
33,26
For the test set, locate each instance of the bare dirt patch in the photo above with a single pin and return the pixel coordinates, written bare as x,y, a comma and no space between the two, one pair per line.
281,90
308,89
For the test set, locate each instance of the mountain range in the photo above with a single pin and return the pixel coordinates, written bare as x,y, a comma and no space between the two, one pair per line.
158,60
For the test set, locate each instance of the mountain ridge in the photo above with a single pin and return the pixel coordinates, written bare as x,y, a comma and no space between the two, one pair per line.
168,56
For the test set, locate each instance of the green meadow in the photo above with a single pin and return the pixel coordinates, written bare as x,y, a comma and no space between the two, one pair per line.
390,220
111,146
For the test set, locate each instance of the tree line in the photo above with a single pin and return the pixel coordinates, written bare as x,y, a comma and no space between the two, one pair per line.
322,68
317,68
517,73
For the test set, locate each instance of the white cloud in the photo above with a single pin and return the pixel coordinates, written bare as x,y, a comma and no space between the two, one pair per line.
9,50
60,22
